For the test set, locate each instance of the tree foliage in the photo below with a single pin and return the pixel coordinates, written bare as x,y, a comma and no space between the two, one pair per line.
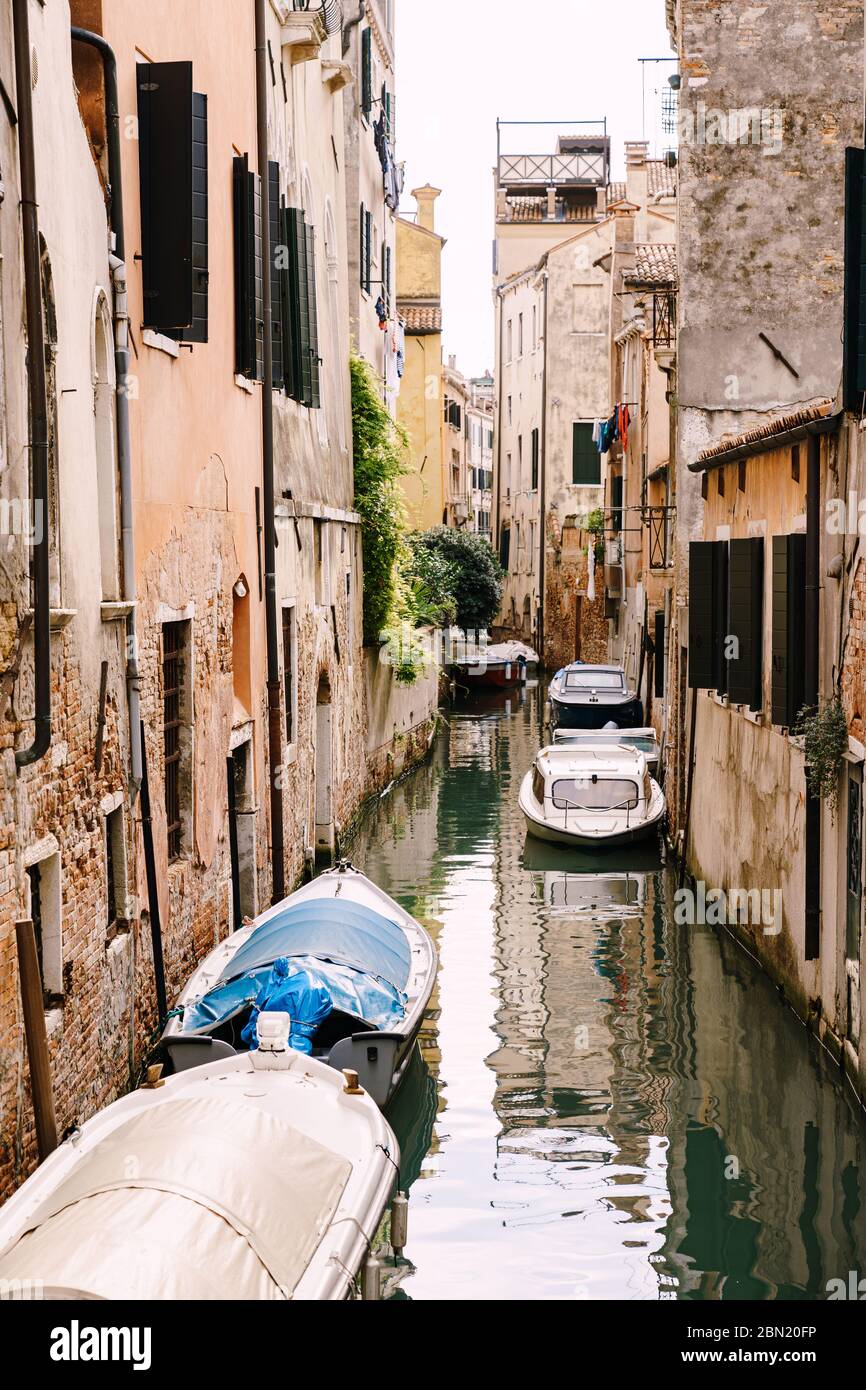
380,451
469,567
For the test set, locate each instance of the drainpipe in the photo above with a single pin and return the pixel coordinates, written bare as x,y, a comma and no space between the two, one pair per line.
812,690
542,483
499,431
121,373
38,391
275,712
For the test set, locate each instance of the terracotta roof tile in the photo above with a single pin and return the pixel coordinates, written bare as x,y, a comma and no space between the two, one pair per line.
780,424
421,318
655,264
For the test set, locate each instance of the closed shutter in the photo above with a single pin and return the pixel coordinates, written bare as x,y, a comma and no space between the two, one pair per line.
386,276
707,623
367,71
197,332
249,305
505,547
586,460
287,315
789,652
278,273
365,244
854,328
165,115
746,621
314,400
535,459
660,654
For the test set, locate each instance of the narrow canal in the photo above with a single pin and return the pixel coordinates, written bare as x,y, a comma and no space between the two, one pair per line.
610,1105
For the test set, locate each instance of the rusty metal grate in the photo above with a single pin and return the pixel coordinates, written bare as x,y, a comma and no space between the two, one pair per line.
664,319
172,647
660,523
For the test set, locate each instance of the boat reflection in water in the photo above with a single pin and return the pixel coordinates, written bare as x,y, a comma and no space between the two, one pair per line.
576,881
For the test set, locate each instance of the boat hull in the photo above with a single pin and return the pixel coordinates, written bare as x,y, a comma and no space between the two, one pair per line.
573,714
504,676
552,834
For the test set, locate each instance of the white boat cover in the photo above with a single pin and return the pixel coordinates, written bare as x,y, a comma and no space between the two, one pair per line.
199,1198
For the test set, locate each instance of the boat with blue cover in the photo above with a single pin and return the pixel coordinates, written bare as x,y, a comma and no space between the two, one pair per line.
353,971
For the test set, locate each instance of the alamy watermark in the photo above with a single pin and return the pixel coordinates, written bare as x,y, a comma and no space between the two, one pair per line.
762,126
719,907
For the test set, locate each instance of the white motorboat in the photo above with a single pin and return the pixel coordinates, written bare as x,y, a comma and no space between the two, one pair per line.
354,971
260,1176
591,795
644,739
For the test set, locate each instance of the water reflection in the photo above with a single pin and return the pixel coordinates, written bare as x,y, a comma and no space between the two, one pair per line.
616,1107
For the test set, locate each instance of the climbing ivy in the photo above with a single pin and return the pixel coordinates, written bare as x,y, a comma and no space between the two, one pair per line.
825,737
380,451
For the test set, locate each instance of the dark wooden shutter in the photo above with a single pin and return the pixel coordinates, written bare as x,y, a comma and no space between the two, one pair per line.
278,272
746,620
505,547
586,460
288,314
165,114
315,398
367,71
854,328
386,277
535,459
616,501
789,652
249,305
707,593
197,332
660,654
365,242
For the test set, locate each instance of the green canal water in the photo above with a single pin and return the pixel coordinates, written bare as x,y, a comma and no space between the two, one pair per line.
609,1105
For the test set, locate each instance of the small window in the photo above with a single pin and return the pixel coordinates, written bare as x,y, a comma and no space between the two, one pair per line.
45,907
536,454
176,736
520,335
594,680
115,875
538,787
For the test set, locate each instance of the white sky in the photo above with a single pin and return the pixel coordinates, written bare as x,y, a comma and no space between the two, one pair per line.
463,63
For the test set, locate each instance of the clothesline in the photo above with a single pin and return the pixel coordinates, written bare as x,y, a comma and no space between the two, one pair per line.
607,432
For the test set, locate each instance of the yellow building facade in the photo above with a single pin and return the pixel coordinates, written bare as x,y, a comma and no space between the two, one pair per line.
421,402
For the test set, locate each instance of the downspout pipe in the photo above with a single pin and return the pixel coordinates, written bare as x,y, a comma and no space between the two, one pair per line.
275,710
121,373
37,390
812,690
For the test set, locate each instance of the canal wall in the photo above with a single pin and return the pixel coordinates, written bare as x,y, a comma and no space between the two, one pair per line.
401,720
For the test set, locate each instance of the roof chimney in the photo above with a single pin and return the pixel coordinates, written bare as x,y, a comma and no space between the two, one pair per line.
636,172
426,198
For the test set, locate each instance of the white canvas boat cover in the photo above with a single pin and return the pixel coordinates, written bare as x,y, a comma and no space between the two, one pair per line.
198,1198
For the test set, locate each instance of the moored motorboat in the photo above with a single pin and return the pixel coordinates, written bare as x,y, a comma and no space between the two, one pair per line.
354,971
260,1176
646,740
499,667
598,796
588,697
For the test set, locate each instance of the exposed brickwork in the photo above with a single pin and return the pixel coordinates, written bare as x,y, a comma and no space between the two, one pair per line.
566,580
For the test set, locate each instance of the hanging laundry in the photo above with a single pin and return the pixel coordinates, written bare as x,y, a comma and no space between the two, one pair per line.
623,425
401,348
596,432
382,313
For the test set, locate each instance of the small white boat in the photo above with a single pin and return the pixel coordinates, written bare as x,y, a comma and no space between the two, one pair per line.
591,795
260,1176
644,739
354,971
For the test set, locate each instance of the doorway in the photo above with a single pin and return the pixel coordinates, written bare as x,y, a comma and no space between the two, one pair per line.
242,834
854,899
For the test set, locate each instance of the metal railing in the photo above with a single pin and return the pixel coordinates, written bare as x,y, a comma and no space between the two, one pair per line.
664,319
549,169
660,521
330,11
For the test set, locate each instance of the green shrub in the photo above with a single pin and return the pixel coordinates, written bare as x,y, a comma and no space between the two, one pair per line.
825,739
380,448
471,569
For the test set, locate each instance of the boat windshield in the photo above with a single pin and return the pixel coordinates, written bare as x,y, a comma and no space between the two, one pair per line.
647,743
604,794
594,680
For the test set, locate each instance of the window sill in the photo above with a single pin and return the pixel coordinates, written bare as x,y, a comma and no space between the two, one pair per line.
244,383
115,612
60,617
160,342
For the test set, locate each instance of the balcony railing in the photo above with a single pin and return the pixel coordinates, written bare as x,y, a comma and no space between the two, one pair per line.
329,11
550,169
660,522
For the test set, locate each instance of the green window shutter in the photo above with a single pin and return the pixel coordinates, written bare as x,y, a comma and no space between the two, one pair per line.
535,459
367,71
300,306
288,312
854,318
315,398
386,276
586,460
746,621
257,277
707,614
278,263
166,137
368,253
244,345
789,652
616,501
365,242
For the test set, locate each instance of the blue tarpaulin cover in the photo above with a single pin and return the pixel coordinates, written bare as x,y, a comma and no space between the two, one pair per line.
334,929
299,993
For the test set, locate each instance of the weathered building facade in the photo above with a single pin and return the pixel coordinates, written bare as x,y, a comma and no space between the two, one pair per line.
421,405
